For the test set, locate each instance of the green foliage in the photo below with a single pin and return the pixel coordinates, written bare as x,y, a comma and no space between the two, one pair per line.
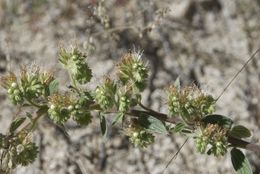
240,131
152,124
240,162
179,127
53,87
103,125
16,123
220,120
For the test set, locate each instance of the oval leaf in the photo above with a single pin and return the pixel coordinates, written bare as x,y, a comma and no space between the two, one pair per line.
53,87
240,131
179,127
221,120
118,119
152,124
103,125
16,123
240,162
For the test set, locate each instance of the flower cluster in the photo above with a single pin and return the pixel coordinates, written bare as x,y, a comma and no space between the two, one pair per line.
35,83
189,103
80,110
105,94
9,82
31,85
74,62
215,136
132,71
124,102
60,107
139,136
16,150
124,93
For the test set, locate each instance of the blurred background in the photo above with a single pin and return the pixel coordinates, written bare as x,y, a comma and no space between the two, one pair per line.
202,41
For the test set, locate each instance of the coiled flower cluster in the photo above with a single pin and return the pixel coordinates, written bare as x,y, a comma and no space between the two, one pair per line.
80,110
139,136
132,71
35,83
216,137
74,62
124,102
123,92
16,150
9,82
189,103
60,107
105,94
31,85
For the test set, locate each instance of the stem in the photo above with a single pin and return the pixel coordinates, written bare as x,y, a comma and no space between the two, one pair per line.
148,109
31,124
241,69
159,116
34,104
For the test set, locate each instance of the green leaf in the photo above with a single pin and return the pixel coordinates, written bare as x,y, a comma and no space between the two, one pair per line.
103,125
118,119
240,162
240,131
16,123
152,124
53,87
179,127
221,120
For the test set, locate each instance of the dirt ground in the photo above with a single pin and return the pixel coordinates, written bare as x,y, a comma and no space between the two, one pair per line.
202,41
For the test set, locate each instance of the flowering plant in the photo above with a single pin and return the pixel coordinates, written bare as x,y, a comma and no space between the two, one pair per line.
191,111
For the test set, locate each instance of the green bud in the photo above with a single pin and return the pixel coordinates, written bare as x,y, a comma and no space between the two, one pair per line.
14,85
124,104
70,108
